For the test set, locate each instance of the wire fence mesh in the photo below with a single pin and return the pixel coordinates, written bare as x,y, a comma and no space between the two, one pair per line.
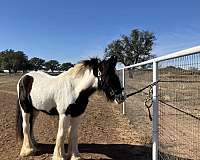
178,103
135,79
179,108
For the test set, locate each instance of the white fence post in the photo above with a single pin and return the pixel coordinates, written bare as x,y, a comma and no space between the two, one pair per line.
155,113
123,85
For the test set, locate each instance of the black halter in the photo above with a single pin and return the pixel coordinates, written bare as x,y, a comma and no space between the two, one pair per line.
104,86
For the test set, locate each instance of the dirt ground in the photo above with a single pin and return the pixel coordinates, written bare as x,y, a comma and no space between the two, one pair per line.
104,133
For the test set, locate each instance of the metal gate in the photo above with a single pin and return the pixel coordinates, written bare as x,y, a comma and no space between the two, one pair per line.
175,131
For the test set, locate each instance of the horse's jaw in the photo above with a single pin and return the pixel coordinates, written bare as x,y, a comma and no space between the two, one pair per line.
95,83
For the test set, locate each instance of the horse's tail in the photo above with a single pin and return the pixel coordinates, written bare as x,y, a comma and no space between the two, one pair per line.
19,121
23,103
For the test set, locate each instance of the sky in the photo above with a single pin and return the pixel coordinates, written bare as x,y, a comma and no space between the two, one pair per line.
69,31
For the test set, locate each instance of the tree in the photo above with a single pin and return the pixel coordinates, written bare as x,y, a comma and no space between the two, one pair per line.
7,59
52,65
132,49
36,63
20,61
1,62
66,66
13,60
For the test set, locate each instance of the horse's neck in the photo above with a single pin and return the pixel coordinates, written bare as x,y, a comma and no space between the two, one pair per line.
88,80
80,82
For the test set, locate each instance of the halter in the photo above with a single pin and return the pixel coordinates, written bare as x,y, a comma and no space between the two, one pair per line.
99,76
102,85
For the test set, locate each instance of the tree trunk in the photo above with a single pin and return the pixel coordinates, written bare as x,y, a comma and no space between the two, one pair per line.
130,73
15,70
9,69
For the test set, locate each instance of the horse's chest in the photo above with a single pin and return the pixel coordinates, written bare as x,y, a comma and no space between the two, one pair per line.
78,108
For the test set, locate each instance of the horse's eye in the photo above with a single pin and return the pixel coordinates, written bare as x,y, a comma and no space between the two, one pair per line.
112,92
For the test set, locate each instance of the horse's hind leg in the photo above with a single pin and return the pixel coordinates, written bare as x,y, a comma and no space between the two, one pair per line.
35,114
25,112
27,147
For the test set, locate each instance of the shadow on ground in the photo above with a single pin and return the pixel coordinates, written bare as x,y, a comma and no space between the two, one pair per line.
112,151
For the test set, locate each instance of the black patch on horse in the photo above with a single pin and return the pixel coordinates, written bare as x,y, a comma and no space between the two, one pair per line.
25,86
80,104
24,101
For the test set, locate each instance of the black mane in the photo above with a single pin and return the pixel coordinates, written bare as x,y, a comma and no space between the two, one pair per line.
92,63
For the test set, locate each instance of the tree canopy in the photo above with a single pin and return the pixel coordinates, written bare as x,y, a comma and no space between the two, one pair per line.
52,65
133,48
13,60
66,66
36,63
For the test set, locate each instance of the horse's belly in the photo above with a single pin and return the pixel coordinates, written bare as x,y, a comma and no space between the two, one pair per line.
42,103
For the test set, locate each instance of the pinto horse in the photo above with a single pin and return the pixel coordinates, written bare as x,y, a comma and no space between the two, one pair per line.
65,95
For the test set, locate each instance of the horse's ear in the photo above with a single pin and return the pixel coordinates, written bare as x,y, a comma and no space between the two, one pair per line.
101,65
112,61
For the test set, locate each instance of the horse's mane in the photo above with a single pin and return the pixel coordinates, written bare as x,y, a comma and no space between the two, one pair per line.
80,68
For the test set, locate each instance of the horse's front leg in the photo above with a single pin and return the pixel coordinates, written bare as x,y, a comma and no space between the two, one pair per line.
73,151
59,150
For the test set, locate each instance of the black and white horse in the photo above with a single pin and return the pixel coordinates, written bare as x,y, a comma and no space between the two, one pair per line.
65,95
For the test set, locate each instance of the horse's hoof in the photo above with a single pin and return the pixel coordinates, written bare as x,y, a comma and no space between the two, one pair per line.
27,151
58,158
68,156
76,157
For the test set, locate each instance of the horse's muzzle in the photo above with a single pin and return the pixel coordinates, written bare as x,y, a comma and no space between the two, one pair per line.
120,98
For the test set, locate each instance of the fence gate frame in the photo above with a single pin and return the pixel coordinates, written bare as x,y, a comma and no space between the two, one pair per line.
154,62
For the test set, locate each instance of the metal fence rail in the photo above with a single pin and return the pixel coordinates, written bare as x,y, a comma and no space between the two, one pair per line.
176,103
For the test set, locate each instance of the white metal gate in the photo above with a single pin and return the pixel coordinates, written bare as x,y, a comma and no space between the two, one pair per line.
176,102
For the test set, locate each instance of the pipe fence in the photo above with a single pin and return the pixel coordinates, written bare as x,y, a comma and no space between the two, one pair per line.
174,132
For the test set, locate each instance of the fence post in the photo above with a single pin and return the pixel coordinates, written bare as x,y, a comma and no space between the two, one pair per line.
155,113
123,85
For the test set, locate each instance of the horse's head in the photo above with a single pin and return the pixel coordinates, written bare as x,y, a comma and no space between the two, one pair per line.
108,81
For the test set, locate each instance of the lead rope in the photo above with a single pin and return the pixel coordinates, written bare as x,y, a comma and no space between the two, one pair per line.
148,101
148,97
